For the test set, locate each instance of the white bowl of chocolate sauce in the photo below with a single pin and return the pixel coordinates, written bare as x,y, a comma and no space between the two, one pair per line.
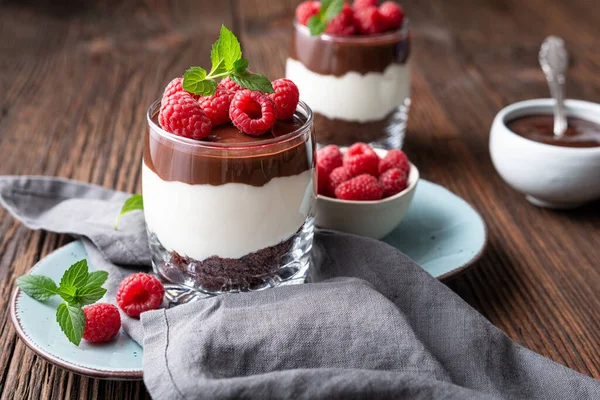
552,172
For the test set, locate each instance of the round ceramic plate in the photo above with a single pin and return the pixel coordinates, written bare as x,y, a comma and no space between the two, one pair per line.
36,325
441,232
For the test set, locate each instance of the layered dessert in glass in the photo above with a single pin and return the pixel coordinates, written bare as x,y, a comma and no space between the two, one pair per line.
356,80
232,212
228,179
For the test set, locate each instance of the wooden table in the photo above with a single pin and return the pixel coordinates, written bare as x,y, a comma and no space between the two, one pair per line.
76,78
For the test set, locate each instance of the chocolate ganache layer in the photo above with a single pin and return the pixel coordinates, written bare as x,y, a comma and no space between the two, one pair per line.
238,158
338,55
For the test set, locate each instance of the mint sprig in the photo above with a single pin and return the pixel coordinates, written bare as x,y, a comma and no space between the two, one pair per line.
135,202
328,11
227,61
77,288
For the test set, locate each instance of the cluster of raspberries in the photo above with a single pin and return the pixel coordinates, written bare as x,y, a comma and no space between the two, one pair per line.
360,174
137,293
254,113
363,18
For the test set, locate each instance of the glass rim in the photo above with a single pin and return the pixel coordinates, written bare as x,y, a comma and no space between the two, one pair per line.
380,38
155,106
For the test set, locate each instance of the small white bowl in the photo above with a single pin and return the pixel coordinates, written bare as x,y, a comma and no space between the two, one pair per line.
549,176
374,219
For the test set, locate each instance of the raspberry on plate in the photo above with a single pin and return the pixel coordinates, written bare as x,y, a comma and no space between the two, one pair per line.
286,98
361,4
307,9
394,159
393,181
102,322
138,293
360,158
252,112
181,115
369,21
216,106
392,13
362,187
228,84
343,23
337,177
330,157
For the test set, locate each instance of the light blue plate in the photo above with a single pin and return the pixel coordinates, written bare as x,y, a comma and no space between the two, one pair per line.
36,324
441,232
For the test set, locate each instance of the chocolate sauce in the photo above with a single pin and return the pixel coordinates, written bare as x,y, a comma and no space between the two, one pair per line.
247,160
539,128
338,55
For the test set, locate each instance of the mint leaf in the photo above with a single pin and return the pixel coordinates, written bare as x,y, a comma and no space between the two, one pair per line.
218,63
135,202
76,275
316,25
253,82
332,8
229,48
68,293
196,82
329,10
96,279
39,287
89,295
72,322
240,65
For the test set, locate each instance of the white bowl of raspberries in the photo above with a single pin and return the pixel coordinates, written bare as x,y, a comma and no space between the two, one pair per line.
362,190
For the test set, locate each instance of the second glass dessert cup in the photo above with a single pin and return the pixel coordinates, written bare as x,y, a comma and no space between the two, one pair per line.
229,217
358,86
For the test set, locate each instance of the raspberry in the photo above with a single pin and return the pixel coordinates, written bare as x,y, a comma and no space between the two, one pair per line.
286,98
394,159
102,322
362,187
228,84
362,4
369,21
337,177
329,157
138,293
306,10
343,23
181,115
176,86
392,13
393,181
246,116
323,181
216,107
361,159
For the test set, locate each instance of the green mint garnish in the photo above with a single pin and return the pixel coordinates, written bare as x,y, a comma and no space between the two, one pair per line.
77,288
329,10
135,202
39,287
72,322
227,61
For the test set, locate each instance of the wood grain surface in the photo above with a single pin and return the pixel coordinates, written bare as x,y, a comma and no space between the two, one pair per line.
76,78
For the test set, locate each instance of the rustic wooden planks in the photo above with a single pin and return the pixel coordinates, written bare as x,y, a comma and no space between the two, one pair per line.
77,78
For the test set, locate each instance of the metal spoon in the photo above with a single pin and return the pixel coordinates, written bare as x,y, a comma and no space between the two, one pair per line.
554,60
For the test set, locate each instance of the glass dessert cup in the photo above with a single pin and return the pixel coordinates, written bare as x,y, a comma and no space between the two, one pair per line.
357,86
229,216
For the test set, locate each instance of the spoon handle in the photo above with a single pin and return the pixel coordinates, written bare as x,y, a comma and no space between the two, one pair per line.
557,89
554,61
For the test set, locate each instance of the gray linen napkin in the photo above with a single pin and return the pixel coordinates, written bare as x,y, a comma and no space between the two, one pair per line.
372,323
